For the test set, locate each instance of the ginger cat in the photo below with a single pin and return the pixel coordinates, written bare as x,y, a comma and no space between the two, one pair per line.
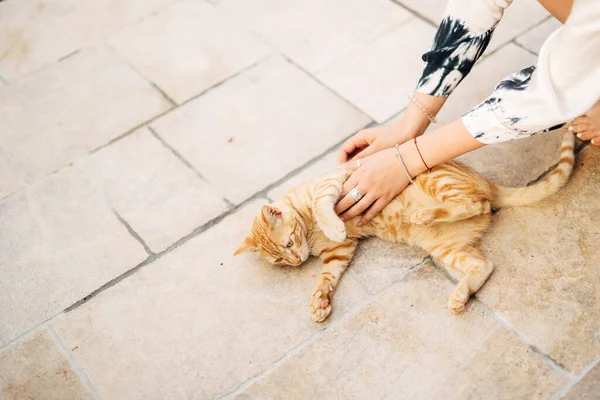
445,212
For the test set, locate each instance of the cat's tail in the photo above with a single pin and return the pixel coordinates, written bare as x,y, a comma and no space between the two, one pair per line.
522,196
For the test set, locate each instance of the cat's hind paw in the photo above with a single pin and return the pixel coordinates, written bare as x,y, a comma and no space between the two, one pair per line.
421,217
458,299
320,306
334,229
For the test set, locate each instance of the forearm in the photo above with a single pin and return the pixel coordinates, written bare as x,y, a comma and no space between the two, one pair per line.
439,146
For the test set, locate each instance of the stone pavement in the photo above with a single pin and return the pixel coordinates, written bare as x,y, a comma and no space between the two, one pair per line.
139,137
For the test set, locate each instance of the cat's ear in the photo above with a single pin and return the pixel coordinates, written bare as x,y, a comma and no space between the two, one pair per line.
247,244
271,214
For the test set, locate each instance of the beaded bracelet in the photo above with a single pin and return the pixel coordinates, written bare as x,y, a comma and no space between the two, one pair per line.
402,163
423,109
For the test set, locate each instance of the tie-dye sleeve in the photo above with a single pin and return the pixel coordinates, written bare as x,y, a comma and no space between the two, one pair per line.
461,39
563,85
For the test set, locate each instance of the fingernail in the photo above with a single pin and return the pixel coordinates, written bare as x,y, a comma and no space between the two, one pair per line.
571,128
579,135
343,219
360,223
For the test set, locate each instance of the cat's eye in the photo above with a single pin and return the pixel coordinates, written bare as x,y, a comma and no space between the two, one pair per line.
289,244
278,260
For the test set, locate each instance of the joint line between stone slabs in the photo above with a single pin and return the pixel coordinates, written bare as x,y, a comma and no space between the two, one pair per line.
133,233
224,80
578,378
229,204
142,76
322,84
514,41
67,354
552,362
532,27
415,13
11,343
67,56
176,153
314,337
295,350
263,192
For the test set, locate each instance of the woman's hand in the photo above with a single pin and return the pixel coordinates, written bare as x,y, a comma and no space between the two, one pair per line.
379,179
369,141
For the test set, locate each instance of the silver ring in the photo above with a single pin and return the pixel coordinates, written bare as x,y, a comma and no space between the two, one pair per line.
355,194
357,163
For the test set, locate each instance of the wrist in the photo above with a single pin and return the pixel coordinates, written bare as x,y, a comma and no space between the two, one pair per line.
407,128
417,117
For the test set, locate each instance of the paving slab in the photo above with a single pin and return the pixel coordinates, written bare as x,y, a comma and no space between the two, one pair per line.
60,114
405,344
197,322
324,165
159,196
315,33
59,243
588,388
535,38
547,280
34,34
518,18
35,368
188,47
377,76
378,264
254,129
518,162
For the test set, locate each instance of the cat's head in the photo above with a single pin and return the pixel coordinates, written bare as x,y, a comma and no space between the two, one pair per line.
278,237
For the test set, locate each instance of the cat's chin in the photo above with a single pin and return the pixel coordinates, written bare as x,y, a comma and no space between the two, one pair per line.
303,258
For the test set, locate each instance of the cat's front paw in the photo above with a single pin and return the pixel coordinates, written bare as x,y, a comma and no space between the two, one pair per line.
320,305
421,217
334,229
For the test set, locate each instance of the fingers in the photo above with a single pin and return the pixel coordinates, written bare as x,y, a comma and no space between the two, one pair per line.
352,165
373,211
346,201
596,141
358,208
356,142
367,151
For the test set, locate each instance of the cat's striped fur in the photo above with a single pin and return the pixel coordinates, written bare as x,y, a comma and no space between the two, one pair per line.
445,212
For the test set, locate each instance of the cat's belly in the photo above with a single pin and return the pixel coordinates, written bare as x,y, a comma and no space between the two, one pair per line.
393,222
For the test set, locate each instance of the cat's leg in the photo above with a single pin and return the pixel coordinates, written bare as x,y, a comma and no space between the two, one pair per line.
449,212
471,263
326,195
335,260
